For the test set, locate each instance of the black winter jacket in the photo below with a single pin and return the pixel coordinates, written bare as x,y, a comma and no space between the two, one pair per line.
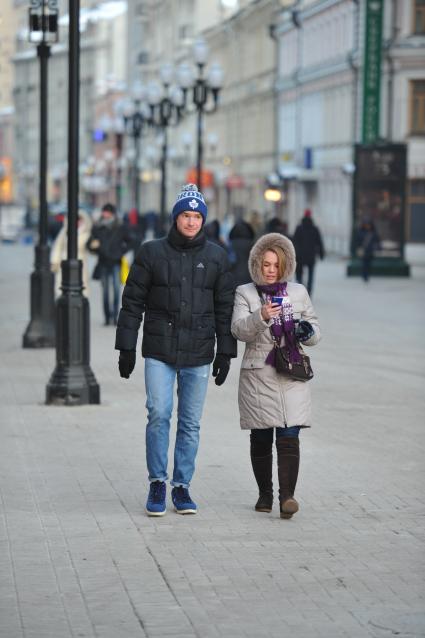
308,242
185,290
114,240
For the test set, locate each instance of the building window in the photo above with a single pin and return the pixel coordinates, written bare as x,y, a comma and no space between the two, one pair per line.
416,220
419,17
417,107
143,57
185,31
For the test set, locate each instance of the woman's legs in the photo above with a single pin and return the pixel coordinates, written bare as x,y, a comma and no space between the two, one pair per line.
288,461
262,465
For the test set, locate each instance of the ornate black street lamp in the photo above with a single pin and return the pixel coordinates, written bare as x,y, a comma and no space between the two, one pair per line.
40,332
166,104
205,89
136,120
73,382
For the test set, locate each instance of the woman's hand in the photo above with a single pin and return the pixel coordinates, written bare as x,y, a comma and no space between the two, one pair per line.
270,310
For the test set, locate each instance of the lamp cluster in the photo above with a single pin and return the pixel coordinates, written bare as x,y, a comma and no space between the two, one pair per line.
43,21
189,88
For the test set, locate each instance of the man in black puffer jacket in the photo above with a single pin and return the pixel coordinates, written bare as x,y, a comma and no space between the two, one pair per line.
183,286
109,240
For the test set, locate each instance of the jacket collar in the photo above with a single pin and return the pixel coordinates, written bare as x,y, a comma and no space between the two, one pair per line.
180,242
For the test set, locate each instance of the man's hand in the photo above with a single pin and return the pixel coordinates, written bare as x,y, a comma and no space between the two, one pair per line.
221,368
126,363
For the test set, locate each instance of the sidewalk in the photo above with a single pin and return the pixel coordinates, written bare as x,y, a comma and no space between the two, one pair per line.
79,558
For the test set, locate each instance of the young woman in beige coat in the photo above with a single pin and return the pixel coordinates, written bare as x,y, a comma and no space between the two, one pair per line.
59,250
270,402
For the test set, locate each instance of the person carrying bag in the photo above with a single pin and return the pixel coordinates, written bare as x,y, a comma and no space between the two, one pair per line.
276,319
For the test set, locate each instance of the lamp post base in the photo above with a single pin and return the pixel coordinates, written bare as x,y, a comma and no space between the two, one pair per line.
72,385
40,332
72,382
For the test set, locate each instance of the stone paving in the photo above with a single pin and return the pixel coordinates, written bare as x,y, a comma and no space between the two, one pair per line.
79,558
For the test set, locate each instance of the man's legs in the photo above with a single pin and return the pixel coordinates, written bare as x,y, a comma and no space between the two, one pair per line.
192,386
105,293
310,269
159,383
366,263
116,284
299,272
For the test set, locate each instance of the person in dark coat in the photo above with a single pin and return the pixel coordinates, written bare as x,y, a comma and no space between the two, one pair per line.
308,245
182,286
109,240
241,240
276,225
212,232
367,242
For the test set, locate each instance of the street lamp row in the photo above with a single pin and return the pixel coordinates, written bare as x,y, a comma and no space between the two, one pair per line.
160,104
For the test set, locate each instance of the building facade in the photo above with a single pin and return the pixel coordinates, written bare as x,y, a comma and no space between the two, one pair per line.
319,94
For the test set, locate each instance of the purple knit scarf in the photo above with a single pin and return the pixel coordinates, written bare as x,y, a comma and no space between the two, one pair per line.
283,324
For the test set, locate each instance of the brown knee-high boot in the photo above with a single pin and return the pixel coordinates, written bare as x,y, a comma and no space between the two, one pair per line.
288,461
262,466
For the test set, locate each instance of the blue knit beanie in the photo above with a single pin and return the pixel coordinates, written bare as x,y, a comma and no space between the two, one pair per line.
192,200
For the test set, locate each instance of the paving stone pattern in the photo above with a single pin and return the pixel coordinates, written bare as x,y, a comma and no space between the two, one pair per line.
79,558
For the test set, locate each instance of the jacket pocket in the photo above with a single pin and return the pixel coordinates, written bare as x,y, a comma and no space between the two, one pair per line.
158,325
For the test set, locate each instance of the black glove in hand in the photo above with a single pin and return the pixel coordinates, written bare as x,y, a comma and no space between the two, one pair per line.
221,368
126,363
304,331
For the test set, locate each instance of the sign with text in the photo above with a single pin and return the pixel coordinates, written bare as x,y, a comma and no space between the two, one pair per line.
372,71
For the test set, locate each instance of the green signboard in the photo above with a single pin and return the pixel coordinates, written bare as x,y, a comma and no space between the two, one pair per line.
372,70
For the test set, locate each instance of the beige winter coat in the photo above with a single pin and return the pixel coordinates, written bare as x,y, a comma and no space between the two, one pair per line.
267,399
59,250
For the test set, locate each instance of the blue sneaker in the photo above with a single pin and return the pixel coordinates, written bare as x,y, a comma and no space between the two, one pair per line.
155,505
183,504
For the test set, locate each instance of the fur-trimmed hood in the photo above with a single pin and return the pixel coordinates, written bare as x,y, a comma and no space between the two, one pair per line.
268,242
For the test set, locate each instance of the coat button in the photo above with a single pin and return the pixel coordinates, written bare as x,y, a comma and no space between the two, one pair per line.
183,303
183,278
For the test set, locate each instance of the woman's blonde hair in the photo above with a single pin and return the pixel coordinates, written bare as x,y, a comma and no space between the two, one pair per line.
281,260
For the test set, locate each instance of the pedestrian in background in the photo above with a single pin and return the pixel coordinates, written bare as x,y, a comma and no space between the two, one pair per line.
271,404
110,241
256,222
212,233
276,225
241,239
134,224
308,245
183,287
59,250
367,243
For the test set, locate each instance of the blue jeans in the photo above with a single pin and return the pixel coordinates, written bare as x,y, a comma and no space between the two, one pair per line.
110,276
191,391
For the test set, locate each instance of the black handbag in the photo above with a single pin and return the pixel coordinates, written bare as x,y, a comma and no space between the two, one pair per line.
301,371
